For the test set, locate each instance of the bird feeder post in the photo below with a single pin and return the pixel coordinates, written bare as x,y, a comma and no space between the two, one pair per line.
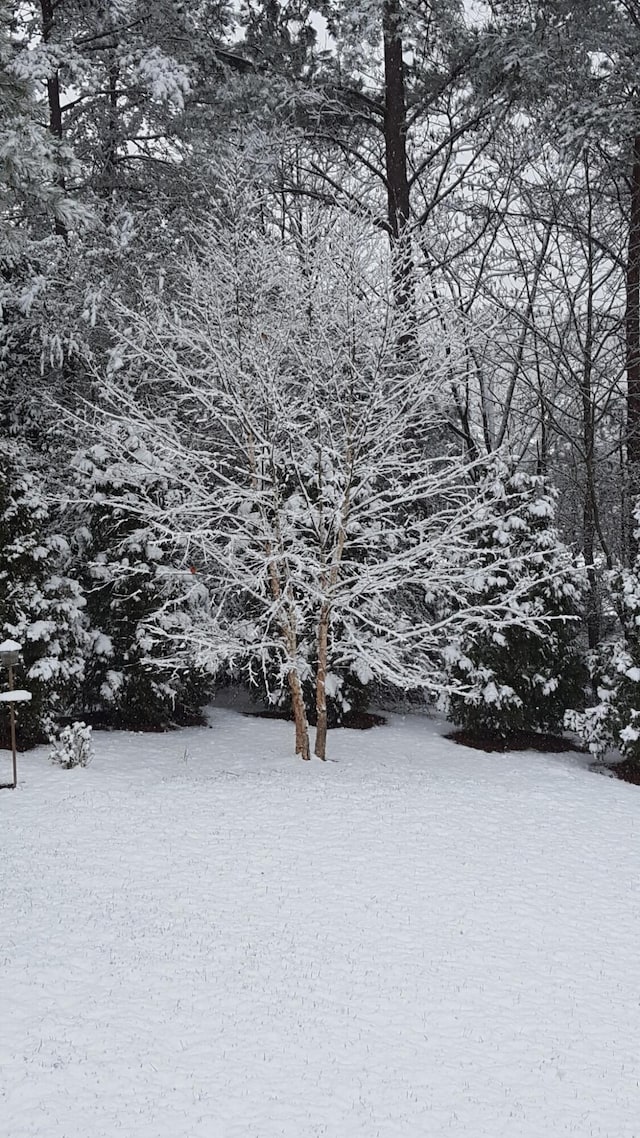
9,657
12,722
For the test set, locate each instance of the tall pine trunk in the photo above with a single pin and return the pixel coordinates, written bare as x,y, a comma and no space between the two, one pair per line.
589,518
47,9
633,341
395,139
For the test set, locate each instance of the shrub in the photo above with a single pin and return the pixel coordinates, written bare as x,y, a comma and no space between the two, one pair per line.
524,676
615,668
73,747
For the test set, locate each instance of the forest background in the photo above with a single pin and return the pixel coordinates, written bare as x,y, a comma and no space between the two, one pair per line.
320,349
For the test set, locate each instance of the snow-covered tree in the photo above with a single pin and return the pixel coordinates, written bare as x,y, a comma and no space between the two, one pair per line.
524,677
573,68
304,464
108,76
614,721
30,159
131,680
41,607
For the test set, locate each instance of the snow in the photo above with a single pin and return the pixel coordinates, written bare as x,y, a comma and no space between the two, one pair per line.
203,937
41,629
16,695
10,646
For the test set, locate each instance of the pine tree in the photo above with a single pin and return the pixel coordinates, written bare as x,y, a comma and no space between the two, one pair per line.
614,722
29,157
41,607
129,579
511,680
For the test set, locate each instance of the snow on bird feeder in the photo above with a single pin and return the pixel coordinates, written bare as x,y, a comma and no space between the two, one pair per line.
9,657
10,653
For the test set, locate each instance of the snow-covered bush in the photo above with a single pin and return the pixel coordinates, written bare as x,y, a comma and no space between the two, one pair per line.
130,582
41,606
518,677
73,746
614,721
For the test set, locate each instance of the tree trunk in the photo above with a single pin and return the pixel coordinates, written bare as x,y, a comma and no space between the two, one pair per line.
111,156
300,716
53,100
588,546
633,340
588,438
395,139
321,685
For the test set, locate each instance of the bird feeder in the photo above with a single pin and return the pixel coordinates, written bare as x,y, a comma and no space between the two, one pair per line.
9,657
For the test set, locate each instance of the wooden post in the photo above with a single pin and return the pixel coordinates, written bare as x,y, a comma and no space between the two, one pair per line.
9,656
12,720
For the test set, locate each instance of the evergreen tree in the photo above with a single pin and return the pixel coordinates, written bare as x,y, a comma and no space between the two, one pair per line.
130,580
30,159
614,722
515,679
41,607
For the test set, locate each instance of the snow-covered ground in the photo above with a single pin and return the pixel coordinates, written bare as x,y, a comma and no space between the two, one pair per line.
203,937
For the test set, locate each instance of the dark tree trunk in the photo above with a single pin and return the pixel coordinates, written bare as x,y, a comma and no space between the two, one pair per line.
395,138
112,143
53,99
588,546
633,336
589,516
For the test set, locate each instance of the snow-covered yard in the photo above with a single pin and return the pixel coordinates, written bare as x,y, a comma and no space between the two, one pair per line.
203,937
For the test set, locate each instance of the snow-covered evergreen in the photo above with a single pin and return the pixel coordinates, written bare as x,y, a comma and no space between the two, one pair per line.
41,605
131,583
614,721
519,678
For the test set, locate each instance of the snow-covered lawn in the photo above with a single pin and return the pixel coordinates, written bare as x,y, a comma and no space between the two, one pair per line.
203,937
